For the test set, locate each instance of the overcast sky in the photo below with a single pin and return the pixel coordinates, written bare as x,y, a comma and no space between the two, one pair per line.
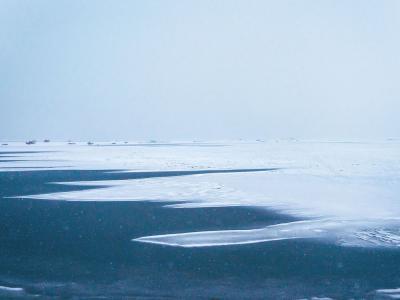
199,69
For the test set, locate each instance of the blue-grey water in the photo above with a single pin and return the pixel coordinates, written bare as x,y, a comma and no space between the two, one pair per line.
83,250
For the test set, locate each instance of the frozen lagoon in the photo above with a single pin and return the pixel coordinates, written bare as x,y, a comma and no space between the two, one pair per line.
331,193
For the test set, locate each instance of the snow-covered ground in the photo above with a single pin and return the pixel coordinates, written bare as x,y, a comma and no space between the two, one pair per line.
347,191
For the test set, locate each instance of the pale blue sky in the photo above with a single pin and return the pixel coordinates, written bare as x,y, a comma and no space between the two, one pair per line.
199,69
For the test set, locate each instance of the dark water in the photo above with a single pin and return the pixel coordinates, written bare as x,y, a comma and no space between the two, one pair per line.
83,250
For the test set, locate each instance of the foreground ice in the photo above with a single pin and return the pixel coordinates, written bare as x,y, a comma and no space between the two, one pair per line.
350,191
388,293
7,292
343,232
11,289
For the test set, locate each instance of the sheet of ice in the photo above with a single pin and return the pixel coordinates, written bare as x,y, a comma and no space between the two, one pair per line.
302,196
230,237
355,182
133,156
7,292
314,158
343,232
388,293
11,289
